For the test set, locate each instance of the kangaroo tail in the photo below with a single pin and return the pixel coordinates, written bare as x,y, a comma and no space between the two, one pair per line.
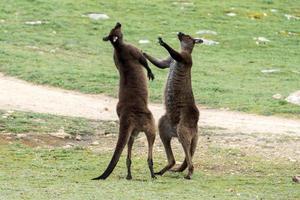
124,134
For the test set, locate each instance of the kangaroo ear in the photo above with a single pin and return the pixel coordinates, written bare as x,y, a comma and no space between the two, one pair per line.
198,40
118,25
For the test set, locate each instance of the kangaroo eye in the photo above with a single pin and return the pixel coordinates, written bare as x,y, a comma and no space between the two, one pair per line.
115,38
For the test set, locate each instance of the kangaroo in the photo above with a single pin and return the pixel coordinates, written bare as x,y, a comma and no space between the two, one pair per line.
132,109
182,115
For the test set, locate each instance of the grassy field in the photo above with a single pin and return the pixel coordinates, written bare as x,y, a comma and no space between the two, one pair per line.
66,50
65,174
56,172
25,122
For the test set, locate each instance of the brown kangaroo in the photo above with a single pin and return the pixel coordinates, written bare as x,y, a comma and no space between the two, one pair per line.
132,107
182,115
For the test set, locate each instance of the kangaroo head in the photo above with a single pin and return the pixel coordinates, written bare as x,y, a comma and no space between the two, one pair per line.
115,36
187,42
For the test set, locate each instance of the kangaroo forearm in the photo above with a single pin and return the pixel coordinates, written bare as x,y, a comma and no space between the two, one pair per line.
173,53
158,63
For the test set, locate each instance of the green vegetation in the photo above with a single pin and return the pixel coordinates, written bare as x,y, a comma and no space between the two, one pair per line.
65,174
66,51
60,173
25,122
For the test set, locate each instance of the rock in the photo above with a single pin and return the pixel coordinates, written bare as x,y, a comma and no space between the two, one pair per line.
274,10
67,146
38,22
209,42
20,136
231,14
78,137
294,98
98,16
289,17
95,143
209,32
296,179
106,109
61,134
277,96
144,41
266,71
184,3
261,40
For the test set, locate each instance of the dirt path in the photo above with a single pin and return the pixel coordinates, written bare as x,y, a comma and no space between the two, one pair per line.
20,95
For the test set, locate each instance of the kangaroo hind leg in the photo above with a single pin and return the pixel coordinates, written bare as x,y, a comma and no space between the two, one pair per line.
165,132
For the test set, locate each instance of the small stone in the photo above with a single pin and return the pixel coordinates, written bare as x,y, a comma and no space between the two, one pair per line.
78,137
34,22
144,41
266,71
294,98
67,146
61,134
21,135
277,96
183,3
106,109
231,14
209,32
296,179
261,40
95,143
98,16
289,17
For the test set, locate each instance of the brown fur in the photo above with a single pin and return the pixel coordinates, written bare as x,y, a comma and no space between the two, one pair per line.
132,107
182,115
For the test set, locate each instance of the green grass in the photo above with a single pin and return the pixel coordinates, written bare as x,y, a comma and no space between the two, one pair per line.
65,174
58,173
225,75
27,122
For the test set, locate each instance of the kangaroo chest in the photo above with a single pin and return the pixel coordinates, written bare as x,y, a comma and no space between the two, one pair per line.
177,88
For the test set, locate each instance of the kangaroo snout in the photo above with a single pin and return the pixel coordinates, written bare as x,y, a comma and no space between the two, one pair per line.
198,40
